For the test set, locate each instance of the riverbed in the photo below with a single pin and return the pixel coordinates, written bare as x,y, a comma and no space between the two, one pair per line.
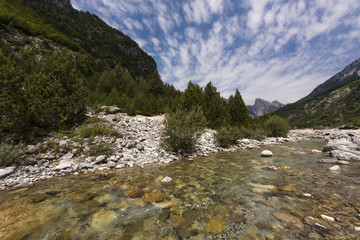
227,195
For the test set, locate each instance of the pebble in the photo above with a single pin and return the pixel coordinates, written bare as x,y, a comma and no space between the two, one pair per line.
328,218
307,195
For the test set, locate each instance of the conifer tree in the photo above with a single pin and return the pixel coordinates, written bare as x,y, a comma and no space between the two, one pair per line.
193,97
239,115
214,107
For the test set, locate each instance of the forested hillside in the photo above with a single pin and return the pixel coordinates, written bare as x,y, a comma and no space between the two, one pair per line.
55,61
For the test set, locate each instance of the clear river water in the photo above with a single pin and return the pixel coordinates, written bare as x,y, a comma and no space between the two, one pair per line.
228,195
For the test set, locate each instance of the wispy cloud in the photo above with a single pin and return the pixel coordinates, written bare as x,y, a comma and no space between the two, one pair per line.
269,49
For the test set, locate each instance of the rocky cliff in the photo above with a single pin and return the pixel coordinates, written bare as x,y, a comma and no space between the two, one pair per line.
262,107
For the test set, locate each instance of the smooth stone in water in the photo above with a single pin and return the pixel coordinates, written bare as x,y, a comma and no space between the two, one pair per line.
215,226
289,219
266,153
103,218
335,168
328,218
273,168
154,197
166,180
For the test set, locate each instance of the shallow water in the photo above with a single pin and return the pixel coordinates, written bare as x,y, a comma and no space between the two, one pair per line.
224,196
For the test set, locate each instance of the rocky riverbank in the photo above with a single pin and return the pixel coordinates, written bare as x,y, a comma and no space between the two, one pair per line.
116,140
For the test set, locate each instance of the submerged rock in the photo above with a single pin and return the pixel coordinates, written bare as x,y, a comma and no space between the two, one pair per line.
154,197
334,168
216,225
289,219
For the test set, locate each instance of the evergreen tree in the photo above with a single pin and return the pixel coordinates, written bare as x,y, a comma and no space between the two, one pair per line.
214,107
239,115
192,97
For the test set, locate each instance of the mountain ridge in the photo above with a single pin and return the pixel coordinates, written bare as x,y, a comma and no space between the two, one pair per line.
262,107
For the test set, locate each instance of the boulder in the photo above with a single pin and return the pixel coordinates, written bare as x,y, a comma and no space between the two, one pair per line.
64,165
85,165
266,153
348,156
334,161
30,149
6,171
100,159
30,161
114,110
111,164
67,157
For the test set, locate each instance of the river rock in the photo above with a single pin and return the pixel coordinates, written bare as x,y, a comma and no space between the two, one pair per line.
134,192
154,197
348,156
274,168
67,157
357,229
85,165
266,153
215,226
100,159
334,168
103,218
328,218
6,171
64,165
114,110
111,164
289,219
334,161
166,180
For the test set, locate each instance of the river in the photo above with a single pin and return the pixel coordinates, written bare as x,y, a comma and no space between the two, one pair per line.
228,195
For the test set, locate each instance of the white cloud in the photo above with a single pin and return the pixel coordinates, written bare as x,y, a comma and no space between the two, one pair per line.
272,49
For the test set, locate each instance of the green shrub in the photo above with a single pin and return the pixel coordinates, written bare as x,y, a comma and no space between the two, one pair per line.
10,154
100,149
227,136
276,127
98,130
182,130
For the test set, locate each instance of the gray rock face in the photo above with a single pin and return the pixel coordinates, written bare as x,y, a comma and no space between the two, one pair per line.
6,171
262,107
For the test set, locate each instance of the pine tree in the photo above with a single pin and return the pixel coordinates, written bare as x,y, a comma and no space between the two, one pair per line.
214,107
193,97
239,114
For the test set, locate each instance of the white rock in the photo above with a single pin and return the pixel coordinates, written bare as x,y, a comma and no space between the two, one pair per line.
273,168
63,165
67,157
266,153
357,229
328,218
307,195
111,164
63,144
30,149
166,180
315,151
6,171
334,168
100,159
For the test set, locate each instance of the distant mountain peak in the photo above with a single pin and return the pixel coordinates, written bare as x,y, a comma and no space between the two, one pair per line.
262,107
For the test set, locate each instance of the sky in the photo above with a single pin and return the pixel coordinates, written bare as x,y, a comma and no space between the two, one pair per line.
270,49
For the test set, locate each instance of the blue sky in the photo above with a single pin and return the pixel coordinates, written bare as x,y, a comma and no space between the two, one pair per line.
275,50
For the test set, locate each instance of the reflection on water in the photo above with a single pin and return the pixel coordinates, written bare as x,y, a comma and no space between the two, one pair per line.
224,196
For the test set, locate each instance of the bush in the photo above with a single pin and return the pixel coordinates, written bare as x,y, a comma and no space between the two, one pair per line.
276,127
100,149
227,136
182,130
10,154
98,130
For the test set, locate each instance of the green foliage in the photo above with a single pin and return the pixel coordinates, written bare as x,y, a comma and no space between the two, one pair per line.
193,97
276,127
39,95
182,129
10,154
239,114
331,109
226,136
100,149
215,107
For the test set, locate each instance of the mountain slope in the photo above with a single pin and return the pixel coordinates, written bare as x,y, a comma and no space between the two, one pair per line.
348,74
105,44
262,107
338,107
